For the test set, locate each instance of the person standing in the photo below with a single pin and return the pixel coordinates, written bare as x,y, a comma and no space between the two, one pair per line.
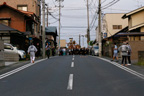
129,53
115,50
32,50
124,51
47,50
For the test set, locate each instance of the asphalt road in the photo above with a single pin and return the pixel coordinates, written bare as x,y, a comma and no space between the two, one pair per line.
72,76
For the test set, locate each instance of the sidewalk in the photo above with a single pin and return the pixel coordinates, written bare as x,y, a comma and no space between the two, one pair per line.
134,67
13,65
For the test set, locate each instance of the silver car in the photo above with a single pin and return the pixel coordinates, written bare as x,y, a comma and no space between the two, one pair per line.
9,48
95,51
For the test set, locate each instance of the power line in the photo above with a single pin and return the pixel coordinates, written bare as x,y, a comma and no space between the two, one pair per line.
74,26
110,4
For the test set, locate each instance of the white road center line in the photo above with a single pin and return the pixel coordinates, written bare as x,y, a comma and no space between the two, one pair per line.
70,82
72,64
72,58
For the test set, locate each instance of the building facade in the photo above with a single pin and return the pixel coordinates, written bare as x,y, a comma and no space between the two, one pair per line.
22,22
135,23
27,6
112,23
136,32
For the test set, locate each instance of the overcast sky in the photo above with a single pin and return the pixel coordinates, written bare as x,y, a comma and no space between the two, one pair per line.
74,14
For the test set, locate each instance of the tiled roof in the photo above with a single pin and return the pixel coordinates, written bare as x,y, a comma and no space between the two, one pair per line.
132,12
26,13
51,29
6,28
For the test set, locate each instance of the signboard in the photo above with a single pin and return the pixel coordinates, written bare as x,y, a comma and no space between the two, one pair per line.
105,35
30,38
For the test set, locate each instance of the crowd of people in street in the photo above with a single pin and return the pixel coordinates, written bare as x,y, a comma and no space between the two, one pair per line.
75,51
125,50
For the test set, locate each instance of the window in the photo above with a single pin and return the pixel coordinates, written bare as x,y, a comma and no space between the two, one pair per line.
135,38
117,26
22,7
7,47
5,22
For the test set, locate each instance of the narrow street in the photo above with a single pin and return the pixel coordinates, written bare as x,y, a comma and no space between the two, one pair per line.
72,76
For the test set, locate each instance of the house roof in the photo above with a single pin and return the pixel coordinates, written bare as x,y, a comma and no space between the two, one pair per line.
131,34
124,30
132,12
51,30
137,26
6,28
25,13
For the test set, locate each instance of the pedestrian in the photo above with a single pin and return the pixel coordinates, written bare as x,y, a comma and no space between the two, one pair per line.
53,51
115,51
38,48
124,52
47,50
32,50
129,54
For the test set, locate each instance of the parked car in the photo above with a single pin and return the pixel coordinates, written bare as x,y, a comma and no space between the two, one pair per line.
11,48
95,51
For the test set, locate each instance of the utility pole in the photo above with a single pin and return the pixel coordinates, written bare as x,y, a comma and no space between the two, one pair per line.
79,39
88,29
59,19
99,22
83,39
47,13
43,28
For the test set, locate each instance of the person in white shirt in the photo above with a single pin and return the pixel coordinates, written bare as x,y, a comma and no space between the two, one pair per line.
32,50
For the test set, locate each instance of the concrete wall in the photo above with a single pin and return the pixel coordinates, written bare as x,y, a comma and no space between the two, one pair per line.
11,57
2,63
113,19
136,46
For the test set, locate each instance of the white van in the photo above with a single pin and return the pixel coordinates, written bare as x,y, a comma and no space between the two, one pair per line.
10,48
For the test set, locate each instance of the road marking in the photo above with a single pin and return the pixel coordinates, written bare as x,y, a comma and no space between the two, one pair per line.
70,82
72,64
124,68
18,69
72,58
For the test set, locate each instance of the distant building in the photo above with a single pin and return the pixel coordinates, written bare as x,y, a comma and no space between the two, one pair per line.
63,43
112,23
51,35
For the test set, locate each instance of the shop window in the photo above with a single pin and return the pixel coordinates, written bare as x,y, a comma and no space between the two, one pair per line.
22,7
